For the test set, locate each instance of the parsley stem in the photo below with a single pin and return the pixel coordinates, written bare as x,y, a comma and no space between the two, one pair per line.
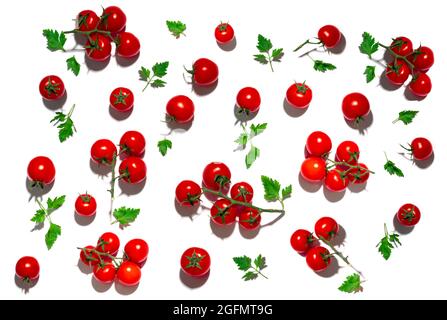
304,43
148,82
259,272
270,61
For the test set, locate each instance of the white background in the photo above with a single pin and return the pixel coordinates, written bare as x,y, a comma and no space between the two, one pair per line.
416,270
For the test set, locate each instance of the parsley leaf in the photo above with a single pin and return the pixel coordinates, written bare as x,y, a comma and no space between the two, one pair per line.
65,124
125,215
251,156
39,217
271,188
322,66
144,73
242,140
391,168
286,192
73,65
251,271
51,236
43,213
176,28
164,145
55,203
261,58
250,275
243,263
369,45
370,73
265,56
406,116
351,284
257,129
55,40
159,70
245,137
264,44
260,262
388,243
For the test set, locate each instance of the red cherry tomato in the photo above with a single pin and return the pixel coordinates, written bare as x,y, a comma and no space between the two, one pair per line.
51,88
137,250
336,181
326,228
113,19
348,151
133,170
105,274
108,243
27,269
318,259
85,205
180,109
358,175
188,193
250,219
224,33
41,171
248,99
205,72
313,169
133,144
408,215
129,274
302,240
355,106
422,58
195,262
420,85
299,95
128,45
242,191
98,47
103,151
421,148
88,256
223,213
121,99
318,144
329,35
397,72
216,175
402,46
87,20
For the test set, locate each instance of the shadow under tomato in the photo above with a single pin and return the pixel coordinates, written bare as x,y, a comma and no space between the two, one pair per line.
357,187
386,84
100,169
125,290
83,220
55,104
193,282
126,62
83,267
131,189
400,228
178,127
99,286
331,270
292,111
186,212
230,46
340,47
363,125
311,187
241,116
118,115
24,286
204,90
332,196
339,239
424,164
410,96
37,192
249,234
222,231
93,65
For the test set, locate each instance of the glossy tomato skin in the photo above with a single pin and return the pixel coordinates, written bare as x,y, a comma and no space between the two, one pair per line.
98,47
313,169
129,274
422,58
27,269
224,33
397,72
216,174
242,191
137,250
104,274
41,170
299,95
108,243
326,228
180,109
133,169
223,213
195,262
421,148
420,85
85,205
335,181
51,88
113,19
355,106
302,240
132,143
128,45
249,99
87,20
349,152
187,193
329,35
408,215
205,72
88,256
103,151
318,259
402,46
121,99
318,144
358,175
250,219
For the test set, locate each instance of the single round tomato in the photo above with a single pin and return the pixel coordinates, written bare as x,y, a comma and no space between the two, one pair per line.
88,256
223,213
87,20
133,143
402,46
51,88
129,274
358,175
41,171
326,228
113,19
180,109
420,85
104,273
250,218
136,250
329,35
421,148
242,191
336,181
313,169
299,95
248,99
188,193
27,269
318,258
408,215
98,47
355,106
302,240
348,152
204,72
127,45
132,170
397,72
121,99
85,205
103,151
224,33
195,262
422,58
318,144
108,243
216,176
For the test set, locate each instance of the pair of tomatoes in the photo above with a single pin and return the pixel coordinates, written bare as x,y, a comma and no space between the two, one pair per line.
302,241
106,267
